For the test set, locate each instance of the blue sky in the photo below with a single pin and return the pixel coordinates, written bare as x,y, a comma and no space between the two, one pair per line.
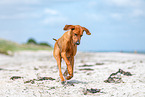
114,24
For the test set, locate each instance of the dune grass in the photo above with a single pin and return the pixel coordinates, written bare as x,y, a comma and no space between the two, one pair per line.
8,47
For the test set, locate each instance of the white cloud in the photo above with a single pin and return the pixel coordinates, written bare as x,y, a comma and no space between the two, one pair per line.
138,12
50,11
117,16
125,3
126,8
20,16
52,17
120,2
11,2
54,20
92,3
94,17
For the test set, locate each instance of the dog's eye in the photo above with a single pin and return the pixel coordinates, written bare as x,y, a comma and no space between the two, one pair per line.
81,35
72,28
76,35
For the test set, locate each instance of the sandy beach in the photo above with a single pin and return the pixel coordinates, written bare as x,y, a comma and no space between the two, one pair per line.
90,71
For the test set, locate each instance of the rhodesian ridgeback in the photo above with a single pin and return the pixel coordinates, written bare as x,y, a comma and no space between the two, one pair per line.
66,48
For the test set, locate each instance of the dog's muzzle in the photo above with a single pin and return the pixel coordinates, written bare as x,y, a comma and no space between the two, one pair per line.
78,42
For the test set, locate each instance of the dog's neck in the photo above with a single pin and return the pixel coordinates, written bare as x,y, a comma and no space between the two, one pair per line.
69,37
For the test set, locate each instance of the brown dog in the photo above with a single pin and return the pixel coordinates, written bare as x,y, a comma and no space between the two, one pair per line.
66,48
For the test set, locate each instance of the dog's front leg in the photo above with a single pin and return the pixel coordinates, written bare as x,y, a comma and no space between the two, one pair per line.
71,59
69,65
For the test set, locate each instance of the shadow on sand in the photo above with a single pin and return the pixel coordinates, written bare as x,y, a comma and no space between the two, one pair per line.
72,82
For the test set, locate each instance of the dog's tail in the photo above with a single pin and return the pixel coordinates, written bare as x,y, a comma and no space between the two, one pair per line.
54,39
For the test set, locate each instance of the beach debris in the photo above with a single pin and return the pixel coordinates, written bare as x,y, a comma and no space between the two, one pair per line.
86,65
86,91
114,80
94,90
86,69
15,77
141,61
45,78
35,68
51,88
2,69
39,79
124,73
99,64
116,77
30,81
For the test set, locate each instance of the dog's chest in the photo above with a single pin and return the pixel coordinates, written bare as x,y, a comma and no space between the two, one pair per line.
71,50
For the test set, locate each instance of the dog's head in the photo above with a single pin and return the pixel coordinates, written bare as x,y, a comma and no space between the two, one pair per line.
77,32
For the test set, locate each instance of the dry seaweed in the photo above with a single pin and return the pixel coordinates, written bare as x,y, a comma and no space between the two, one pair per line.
86,69
86,91
115,78
124,73
99,64
39,79
85,65
15,77
45,78
2,69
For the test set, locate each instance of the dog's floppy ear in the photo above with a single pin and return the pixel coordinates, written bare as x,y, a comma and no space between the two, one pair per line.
87,31
67,27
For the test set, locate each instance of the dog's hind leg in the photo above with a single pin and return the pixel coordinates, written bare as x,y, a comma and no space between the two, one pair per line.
60,72
58,58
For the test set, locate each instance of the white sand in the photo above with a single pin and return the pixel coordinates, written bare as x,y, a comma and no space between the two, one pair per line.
31,65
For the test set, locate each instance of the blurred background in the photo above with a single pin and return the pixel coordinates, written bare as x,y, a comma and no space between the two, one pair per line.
116,25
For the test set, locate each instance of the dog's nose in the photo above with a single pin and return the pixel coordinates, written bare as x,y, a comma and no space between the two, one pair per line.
78,42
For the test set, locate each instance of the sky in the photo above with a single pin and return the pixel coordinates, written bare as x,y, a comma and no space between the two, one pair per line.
115,25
